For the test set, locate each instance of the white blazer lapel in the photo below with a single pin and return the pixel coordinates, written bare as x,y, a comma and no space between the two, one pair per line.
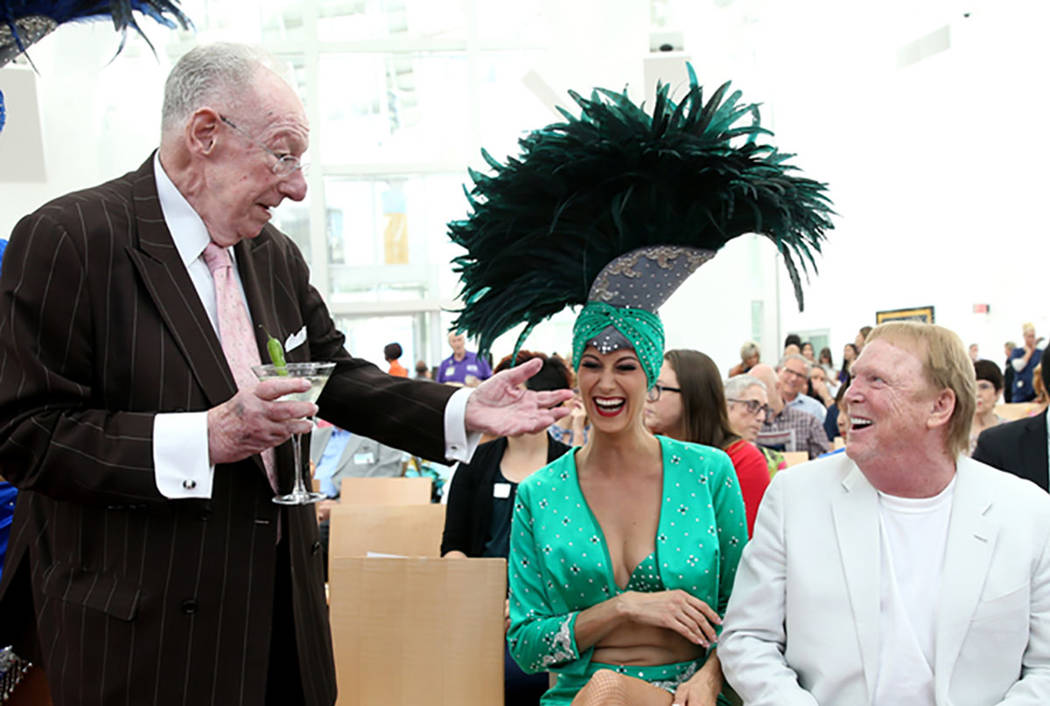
967,555
857,528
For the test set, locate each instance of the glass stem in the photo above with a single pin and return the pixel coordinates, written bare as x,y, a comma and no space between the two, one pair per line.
299,489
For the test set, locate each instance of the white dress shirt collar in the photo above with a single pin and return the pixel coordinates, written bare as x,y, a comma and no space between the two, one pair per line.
186,226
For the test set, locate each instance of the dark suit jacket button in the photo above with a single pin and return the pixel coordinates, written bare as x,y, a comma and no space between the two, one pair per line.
189,484
315,548
189,606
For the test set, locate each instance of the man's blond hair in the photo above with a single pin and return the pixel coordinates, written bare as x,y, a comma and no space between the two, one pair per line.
946,366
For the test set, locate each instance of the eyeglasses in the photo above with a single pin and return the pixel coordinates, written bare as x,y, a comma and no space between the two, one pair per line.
286,164
795,373
754,407
656,390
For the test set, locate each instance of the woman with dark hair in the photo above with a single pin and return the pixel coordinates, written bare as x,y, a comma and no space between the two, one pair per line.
688,403
481,502
849,354
824,360
989,387
391,352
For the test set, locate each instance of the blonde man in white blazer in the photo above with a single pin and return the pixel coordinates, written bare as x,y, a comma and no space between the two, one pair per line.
900,572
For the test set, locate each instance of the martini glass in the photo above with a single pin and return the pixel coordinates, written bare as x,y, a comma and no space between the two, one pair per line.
317,373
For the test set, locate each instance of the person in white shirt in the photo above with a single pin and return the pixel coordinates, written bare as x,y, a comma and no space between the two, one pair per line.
900,572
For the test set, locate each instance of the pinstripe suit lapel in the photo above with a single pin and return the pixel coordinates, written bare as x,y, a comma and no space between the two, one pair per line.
169,286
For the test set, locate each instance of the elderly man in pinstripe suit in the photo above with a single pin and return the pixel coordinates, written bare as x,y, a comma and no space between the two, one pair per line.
147,563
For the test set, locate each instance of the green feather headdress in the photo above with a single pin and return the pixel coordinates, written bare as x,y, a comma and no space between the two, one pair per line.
588,190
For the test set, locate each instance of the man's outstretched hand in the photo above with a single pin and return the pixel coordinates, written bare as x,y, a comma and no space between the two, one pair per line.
500,406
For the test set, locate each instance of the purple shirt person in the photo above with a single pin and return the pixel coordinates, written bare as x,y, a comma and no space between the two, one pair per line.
463,366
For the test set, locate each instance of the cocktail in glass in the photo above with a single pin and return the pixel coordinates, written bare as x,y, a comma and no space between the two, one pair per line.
317,373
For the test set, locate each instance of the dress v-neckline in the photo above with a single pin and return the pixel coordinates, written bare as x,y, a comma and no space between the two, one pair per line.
600,533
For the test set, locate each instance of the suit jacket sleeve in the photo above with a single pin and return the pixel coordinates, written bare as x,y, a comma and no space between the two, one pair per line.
1033,688
53,415
987,450
751,646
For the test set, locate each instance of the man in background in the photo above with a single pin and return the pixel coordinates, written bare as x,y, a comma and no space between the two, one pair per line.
1023,361
785,428
793,376
463,367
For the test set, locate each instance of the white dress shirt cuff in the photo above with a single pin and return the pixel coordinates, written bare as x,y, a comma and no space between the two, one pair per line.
459,445
180,455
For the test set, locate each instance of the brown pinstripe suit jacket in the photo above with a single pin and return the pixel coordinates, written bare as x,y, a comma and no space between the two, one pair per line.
138,599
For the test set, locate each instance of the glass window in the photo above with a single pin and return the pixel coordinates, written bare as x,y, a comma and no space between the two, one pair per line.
293,219
367,335
509,109
393,220
512,21
367,20
394,108
282,23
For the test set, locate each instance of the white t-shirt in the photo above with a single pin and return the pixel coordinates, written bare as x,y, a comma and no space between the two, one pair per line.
913,533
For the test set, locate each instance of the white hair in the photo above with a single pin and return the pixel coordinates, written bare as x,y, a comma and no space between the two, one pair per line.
221,73
739,384
794,356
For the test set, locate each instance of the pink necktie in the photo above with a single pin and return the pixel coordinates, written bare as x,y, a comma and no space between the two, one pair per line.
235,331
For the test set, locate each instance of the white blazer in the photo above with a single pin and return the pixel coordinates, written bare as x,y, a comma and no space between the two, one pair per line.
802,626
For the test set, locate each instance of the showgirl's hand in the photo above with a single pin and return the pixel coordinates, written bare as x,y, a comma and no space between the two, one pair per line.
500,406
698,691
675,610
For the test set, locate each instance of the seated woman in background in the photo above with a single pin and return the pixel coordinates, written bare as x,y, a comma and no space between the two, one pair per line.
623,552
824,360
481,498
747,405
749,358
688,403
849,354
989,387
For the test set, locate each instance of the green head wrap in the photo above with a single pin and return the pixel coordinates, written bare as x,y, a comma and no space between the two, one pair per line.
640,327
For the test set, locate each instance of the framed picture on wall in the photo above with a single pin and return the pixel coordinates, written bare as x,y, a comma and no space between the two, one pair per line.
916,313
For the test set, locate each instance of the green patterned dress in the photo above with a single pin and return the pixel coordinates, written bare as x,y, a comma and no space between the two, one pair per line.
559,563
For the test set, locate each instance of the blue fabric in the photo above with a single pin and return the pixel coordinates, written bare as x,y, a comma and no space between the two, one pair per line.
1022,390
452,370
8,494
329,461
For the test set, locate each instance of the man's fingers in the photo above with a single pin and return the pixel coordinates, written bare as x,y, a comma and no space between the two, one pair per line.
520,373
550,398
275,388
284,411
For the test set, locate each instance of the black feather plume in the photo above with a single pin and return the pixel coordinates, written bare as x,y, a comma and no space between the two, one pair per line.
23,22
616,178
